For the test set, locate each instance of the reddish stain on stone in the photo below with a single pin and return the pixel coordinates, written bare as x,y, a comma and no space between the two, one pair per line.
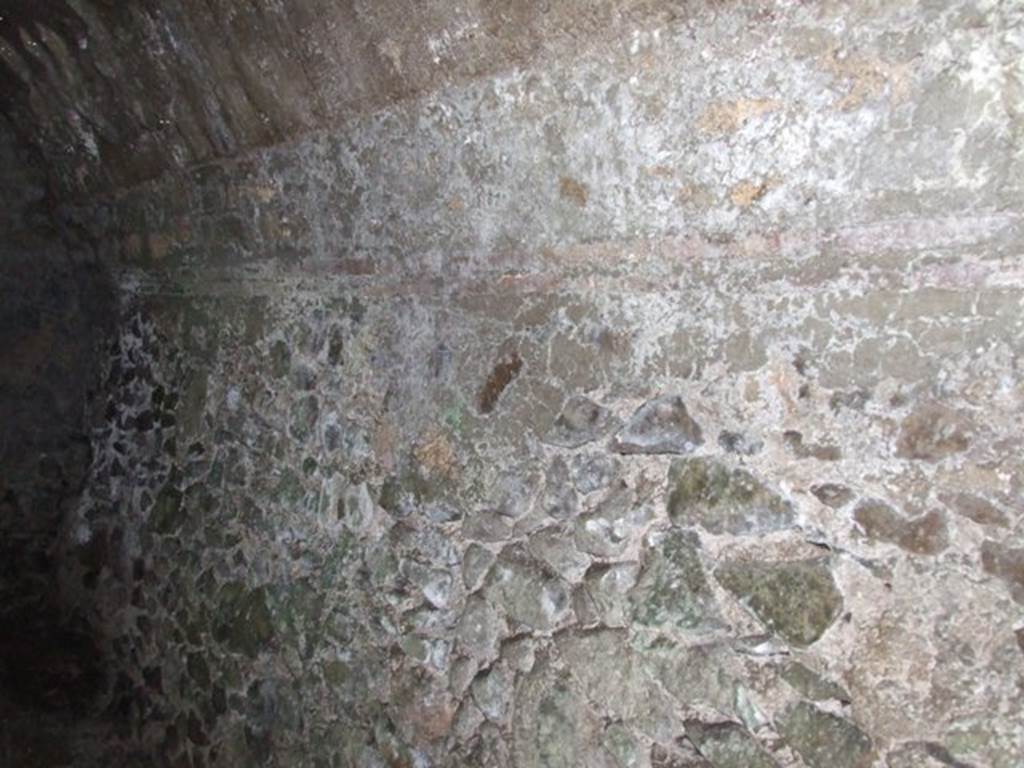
574,191
505,371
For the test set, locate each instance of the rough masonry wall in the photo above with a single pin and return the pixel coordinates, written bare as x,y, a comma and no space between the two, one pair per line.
656,406
56,304
115,94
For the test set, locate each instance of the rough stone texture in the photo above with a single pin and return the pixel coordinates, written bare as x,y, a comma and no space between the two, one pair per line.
728,745
580,421
672,588
662,425
723,500
395,273
56,305
607,530
1007,564
977,508
923,535
811,685
832,494
798,600
824,739
933,432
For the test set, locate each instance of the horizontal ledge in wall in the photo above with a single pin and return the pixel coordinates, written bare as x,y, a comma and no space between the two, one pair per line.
651,264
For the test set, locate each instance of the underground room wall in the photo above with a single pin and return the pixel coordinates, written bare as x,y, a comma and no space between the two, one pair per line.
56,304
653,401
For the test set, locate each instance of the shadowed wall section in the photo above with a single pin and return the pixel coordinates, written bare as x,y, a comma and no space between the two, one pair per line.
56,306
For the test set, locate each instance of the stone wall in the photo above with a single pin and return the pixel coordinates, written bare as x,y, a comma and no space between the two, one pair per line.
116,95
56,304
656,405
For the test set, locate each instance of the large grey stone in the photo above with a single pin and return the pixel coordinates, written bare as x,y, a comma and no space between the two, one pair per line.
580,421
728,745
553,727
559,499
244,622
608,671
798,600
604,595
723,500
594,472
1007,564
662,425
825,740
556,548
479,629
168,512
672,590
475,563
529,593
492,692
810,684
702,675
932,432
606,530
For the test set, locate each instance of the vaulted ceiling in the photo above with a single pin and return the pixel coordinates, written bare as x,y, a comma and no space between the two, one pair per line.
116,92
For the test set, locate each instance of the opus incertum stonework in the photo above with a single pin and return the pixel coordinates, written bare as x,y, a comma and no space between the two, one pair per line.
536,383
